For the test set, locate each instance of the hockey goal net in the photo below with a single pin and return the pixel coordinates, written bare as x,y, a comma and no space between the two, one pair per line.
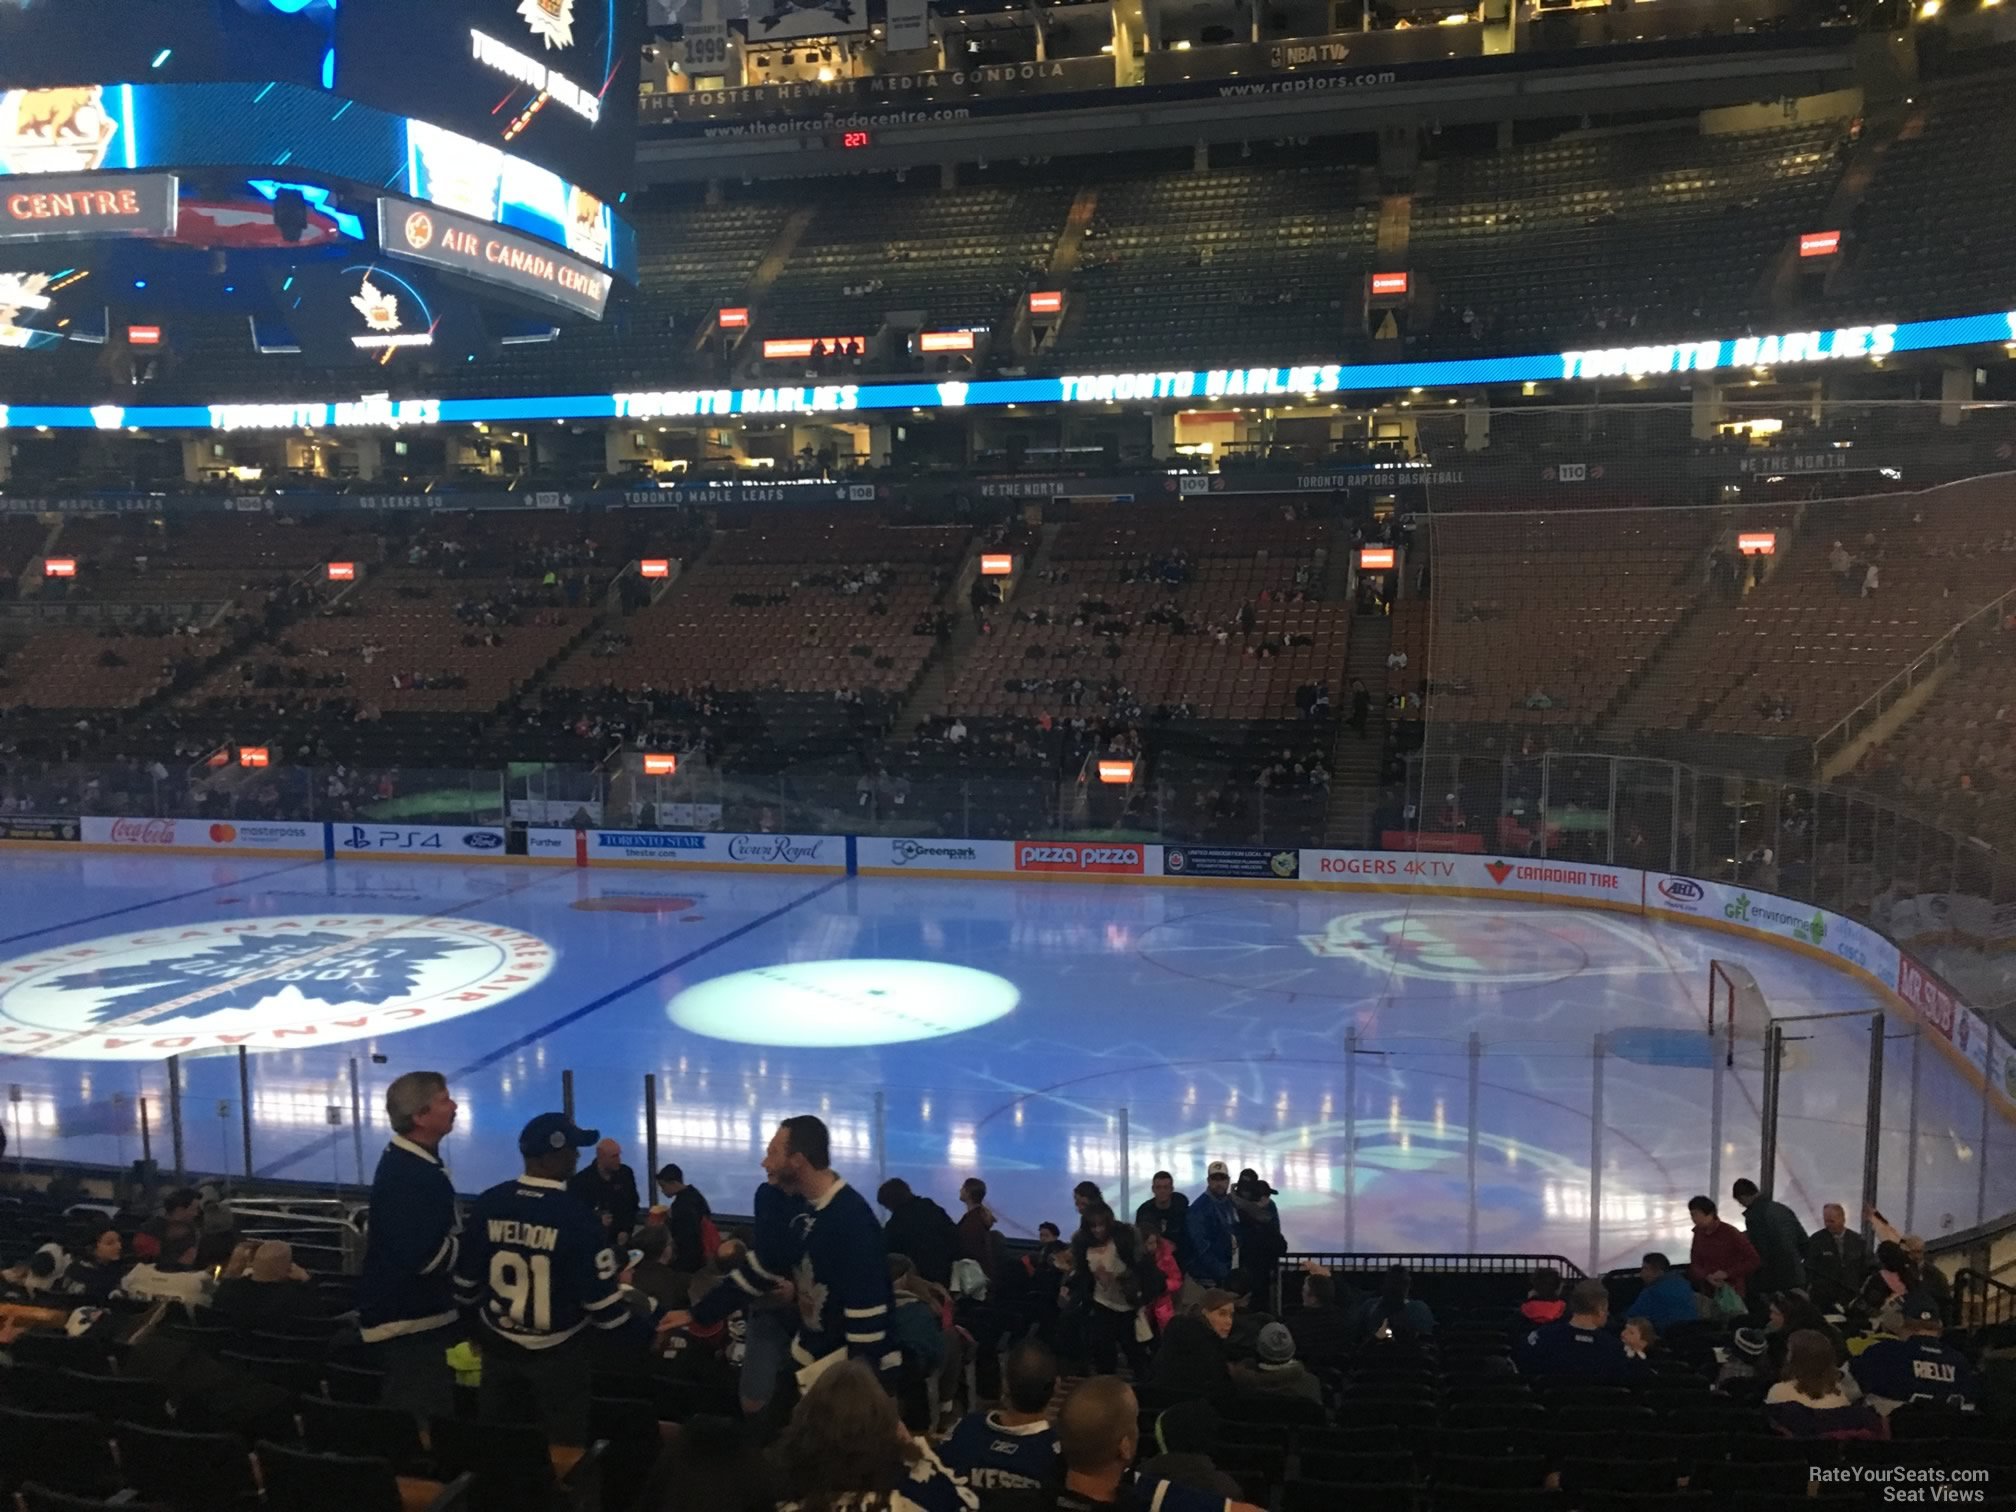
1738,1016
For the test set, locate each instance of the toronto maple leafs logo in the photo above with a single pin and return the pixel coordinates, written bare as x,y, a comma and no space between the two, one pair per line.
811,1295
244,973
379,309
552,21
260,983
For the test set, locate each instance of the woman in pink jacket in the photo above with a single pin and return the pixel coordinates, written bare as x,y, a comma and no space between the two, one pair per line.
1156,1250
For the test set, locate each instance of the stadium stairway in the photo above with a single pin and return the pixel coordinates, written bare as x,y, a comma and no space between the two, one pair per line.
928,698
767,273
1864,162
1686,644
1355,762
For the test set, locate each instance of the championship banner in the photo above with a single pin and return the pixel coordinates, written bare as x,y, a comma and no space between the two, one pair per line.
909,25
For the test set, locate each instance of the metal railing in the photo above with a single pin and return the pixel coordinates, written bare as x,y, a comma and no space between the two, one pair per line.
1983,1301
1863,715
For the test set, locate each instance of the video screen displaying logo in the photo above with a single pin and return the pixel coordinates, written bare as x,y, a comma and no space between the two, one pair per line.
64,42
553,82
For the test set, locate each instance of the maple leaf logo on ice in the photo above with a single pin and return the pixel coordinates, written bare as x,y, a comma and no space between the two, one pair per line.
325,968
952,395
552,21
380,310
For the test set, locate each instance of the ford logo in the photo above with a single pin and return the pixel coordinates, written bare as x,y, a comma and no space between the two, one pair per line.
483,840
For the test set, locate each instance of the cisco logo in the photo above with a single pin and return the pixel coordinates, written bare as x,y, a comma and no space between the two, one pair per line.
483,840
1681,890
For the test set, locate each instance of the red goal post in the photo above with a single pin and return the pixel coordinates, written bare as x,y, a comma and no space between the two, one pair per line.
1737,1010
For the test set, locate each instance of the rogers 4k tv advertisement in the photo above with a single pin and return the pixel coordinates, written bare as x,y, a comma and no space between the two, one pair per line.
553,82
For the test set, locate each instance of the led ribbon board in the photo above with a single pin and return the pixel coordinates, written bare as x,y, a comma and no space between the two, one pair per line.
1285,385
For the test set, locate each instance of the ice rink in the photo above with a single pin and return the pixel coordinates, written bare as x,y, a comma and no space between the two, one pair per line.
1414,1075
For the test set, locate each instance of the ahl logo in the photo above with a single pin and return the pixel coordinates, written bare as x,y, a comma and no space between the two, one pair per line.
63,130
1499,870
266,984
552,21
1681,890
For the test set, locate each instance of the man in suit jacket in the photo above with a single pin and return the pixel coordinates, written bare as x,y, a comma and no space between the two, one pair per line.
1837,1259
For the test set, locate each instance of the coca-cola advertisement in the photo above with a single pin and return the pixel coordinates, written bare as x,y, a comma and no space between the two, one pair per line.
186,836
142,832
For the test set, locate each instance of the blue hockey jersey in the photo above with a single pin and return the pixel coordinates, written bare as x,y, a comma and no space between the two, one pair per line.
842,1281
535,1268
770,1259
1918,1369
1563,1352
408,1285
994,1457
832,1252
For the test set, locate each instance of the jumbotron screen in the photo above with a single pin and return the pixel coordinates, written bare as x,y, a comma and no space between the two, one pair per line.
551,81
54,43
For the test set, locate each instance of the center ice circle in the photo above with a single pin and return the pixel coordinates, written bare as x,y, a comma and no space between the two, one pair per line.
843,1004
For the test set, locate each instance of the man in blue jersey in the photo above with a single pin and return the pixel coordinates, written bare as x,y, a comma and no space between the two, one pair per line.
1012,1448
406,1295
1918,1367
536,1272
1581,1346
839,1274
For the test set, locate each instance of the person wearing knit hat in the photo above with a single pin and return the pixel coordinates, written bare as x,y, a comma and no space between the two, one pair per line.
1278,1372
1744,1365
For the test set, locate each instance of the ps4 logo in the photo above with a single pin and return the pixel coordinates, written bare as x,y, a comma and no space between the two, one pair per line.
361,838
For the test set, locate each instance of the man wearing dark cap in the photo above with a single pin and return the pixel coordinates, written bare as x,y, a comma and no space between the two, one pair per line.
1919,1366
536,1272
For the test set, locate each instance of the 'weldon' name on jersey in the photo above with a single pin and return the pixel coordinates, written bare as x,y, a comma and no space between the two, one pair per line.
538,1236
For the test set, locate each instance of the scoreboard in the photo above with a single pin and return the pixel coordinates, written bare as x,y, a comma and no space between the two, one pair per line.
550,82
53,43
553,82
